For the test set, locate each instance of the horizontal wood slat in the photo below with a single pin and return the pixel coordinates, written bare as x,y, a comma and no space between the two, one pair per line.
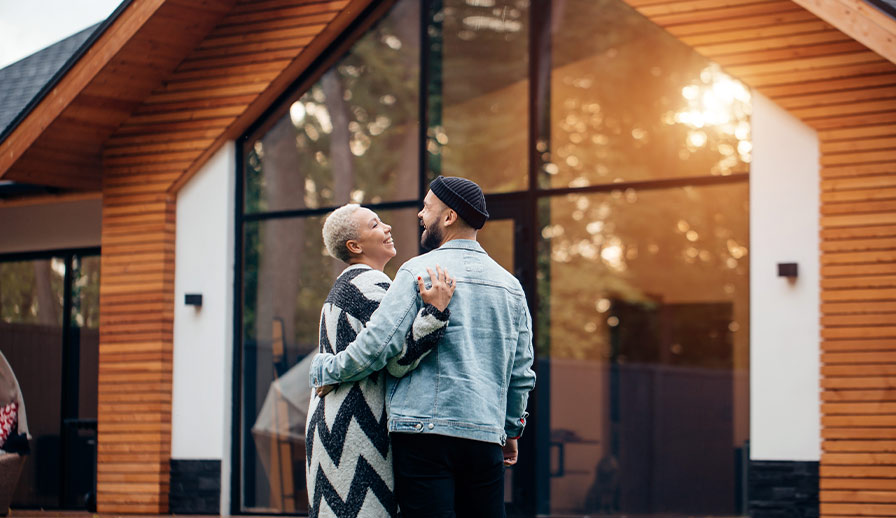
859,395
863,509
858,408
849,483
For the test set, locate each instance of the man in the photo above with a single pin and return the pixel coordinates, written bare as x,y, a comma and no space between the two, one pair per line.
454,421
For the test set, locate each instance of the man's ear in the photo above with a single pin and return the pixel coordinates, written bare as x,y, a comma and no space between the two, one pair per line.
450,217
353,246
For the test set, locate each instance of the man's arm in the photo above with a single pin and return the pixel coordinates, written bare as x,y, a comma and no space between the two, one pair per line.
381,339
522,379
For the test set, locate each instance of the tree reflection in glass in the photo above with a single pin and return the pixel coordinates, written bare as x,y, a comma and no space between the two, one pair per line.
629,102
478,92
647,321
353,135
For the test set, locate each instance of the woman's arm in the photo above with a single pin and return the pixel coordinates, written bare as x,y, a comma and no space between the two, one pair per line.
361,358
429,324
428,328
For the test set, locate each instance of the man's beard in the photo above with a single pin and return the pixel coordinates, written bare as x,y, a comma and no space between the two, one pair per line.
432,237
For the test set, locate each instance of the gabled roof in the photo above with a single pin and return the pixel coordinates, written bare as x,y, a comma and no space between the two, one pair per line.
22,81
121,76
58,140
122,81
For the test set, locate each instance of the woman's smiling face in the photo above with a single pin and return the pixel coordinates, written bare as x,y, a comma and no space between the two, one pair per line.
374,238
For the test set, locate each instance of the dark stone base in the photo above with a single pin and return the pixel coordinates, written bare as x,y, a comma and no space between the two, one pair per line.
783,489
195,487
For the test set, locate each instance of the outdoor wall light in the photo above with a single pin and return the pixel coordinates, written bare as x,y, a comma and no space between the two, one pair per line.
788,270
193,299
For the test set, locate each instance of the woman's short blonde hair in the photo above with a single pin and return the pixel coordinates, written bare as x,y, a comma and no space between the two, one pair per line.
339,228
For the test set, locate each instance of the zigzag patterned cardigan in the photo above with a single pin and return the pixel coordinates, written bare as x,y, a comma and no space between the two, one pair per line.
348,452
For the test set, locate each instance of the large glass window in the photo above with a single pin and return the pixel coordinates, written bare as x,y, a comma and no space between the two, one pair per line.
631,240
49,333
353,135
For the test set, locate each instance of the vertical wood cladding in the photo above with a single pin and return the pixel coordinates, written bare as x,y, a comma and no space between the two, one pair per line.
241,62
848,94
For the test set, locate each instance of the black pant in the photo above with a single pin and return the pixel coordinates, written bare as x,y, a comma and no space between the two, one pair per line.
438,476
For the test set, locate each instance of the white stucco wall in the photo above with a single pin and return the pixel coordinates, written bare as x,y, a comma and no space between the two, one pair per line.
51,226
784,316
203,344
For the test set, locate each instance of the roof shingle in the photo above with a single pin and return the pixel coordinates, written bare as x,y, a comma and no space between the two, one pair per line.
21,81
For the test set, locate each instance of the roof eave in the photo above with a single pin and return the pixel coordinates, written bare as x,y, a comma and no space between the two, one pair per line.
860,20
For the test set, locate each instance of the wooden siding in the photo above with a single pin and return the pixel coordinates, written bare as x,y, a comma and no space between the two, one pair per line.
235,72
848,94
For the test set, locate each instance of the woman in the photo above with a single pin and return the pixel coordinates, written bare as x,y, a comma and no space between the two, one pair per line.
349,468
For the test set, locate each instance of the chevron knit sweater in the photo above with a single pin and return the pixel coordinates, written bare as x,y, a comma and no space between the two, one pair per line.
349,455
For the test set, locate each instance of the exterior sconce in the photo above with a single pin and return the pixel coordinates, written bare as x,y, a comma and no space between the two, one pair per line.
788,270
193,299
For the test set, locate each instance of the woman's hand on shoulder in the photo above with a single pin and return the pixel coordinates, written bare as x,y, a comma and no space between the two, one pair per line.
441,291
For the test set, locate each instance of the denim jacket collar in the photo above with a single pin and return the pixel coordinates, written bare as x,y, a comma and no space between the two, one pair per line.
463,244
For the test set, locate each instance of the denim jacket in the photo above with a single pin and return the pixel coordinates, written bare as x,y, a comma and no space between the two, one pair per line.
476,383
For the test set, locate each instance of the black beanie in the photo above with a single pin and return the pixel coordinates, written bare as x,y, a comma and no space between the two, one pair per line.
463,196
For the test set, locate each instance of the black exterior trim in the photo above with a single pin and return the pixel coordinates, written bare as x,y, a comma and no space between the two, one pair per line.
783,489
47,254
320,211
236,380
195,487
10,189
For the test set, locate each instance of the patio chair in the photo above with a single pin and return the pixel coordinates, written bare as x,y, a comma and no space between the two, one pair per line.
14,447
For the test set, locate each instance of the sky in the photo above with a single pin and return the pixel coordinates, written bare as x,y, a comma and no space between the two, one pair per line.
27,26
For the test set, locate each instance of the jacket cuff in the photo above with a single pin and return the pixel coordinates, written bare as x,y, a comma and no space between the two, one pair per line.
514,429
315,372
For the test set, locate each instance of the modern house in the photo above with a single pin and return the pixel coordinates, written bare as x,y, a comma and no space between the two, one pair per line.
699,197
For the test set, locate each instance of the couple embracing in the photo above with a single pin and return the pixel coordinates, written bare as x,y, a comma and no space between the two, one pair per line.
438,360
